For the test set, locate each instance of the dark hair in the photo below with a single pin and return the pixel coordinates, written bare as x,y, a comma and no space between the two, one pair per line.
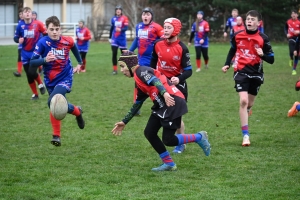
54,20
254,13
294,11
26,9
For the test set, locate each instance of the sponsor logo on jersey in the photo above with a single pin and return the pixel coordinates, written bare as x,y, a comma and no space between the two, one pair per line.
59,53
143,34
29,33
176,57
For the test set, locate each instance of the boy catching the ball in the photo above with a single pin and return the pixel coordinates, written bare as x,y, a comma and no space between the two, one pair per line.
249,48
52,52
168,107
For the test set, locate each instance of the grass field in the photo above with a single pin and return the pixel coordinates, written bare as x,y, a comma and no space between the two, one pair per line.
94,164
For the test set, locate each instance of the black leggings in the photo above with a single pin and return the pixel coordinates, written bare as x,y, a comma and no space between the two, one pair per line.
168,135
32,75
19,55
292,43
83,55
115,54
204,51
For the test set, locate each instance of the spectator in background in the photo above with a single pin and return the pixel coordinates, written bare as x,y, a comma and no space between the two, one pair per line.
292,30
199,32
117,35
83,36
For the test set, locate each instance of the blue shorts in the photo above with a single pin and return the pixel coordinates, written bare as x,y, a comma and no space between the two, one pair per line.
26,56
122,44
65,84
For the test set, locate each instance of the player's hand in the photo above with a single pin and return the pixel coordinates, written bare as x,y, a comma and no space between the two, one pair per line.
118,29
201,41
288,35
21,40
119,126
125,51
76,69
109,40
296,32
169,99
175,80
189,44
50,57
81,38
259,51
225,34
225,68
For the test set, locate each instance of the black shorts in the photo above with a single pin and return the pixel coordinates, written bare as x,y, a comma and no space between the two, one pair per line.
244,83
183,89
174,124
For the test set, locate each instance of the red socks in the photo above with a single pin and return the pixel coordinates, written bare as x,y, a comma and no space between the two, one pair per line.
33,88
115,67
55,125
76,111
19,65
198,63
38,79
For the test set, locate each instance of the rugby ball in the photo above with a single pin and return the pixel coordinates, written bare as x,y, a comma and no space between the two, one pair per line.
59,106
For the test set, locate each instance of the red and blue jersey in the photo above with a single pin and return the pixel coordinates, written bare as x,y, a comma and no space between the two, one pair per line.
30,32
83,45
201,33
122,23
146,35
231,22
61,69
261,26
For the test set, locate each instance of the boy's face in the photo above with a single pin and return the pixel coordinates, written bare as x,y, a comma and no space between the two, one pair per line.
234,14
239,20
80,24
53,31
118,12
199,16
125,70
21,15
294,15
27,14
34,16
168,30
252,23
146,17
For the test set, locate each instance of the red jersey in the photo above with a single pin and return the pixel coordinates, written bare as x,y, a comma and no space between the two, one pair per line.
170,58
246,58
143,76
292,26
238,28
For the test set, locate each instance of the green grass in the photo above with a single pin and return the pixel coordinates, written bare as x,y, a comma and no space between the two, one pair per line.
94,164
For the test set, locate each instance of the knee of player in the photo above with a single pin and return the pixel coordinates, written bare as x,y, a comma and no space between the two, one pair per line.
243,102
